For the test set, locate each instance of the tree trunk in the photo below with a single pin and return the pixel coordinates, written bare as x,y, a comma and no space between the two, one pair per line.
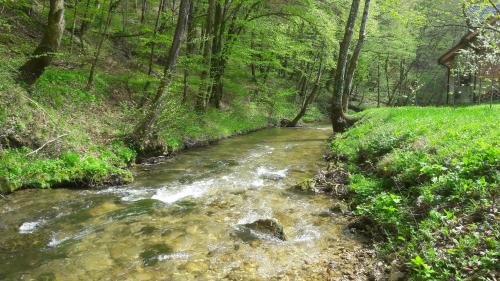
124,15
474,88
378,82
86,21
402,76
141,134
388,86
73,26
217,57
143,10
355,57
155,31
51,40
223,47
190,49
309,98
104,35
339,121
144,98
207,56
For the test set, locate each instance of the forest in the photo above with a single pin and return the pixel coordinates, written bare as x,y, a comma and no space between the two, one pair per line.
249,139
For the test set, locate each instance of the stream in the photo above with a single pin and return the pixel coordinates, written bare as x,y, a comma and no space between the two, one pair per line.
180,220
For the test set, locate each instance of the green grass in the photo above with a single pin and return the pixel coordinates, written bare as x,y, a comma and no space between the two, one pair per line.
183,125
95,122
101,165
428,178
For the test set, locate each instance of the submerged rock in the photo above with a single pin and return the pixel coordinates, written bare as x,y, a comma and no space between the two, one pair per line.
137,208
151,254
307,186
340,207
271,174
263,226
147,230
47,276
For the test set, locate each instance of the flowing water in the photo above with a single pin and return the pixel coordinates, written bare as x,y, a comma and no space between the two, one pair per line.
180,219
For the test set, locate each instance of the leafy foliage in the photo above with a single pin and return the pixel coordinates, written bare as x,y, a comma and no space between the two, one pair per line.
432,175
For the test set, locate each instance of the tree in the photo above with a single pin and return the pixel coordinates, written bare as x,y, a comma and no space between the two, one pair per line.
104,34
190,49
207,56
152,49
340,121
48,47
141,136
73,25
312,95
355,57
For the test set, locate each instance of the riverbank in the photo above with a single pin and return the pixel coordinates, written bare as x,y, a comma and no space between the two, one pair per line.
187,219
424,185
51,152
59,134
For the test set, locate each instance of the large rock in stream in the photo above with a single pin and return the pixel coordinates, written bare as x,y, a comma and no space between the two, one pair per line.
269,227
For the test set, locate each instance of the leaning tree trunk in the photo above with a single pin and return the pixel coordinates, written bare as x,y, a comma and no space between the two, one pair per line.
355,57
340,122
309,98
141,134
44,53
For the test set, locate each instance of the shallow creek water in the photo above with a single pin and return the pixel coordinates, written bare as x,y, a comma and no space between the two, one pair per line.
179,219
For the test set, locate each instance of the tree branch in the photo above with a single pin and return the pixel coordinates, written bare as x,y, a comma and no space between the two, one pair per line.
45,144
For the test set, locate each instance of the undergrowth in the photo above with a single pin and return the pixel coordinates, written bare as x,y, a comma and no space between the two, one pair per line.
83,131
428,178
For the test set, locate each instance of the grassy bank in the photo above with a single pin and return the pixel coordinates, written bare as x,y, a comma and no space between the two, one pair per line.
60,133
49,147
426,181
60,141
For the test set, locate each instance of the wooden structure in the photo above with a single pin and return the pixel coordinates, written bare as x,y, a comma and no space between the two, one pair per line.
483,85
